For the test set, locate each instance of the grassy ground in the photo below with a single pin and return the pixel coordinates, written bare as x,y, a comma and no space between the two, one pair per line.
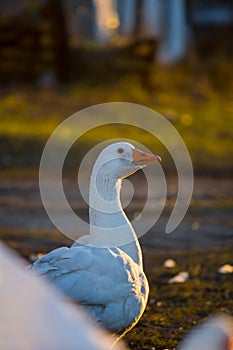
173,309
196,97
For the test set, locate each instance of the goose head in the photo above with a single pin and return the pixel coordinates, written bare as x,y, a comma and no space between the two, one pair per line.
122,159
109,226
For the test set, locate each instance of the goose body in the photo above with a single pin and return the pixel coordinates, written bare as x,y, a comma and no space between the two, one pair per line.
103,271
105,281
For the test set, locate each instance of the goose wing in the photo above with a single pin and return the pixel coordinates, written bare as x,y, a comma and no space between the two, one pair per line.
90,275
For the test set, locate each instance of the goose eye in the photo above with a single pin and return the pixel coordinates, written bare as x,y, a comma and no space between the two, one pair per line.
120,150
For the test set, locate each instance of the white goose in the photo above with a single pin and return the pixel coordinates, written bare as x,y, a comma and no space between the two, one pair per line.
103,271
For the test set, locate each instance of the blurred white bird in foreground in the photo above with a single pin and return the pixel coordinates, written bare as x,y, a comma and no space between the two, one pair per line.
34,316
214,334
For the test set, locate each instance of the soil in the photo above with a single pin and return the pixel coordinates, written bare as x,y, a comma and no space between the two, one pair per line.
208,222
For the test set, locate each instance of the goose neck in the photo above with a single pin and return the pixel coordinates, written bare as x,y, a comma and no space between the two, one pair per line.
109,226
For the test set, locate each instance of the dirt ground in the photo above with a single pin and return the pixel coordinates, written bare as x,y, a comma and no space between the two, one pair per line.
208,222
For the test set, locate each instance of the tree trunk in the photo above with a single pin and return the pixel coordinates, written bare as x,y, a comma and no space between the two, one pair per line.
138,18
60,38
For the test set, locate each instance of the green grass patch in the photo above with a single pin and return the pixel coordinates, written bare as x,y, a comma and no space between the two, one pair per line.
196,99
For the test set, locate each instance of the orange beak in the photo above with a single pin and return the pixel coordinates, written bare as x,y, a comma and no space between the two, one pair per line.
141,158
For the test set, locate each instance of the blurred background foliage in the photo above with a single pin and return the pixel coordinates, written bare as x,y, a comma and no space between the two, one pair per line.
57,57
